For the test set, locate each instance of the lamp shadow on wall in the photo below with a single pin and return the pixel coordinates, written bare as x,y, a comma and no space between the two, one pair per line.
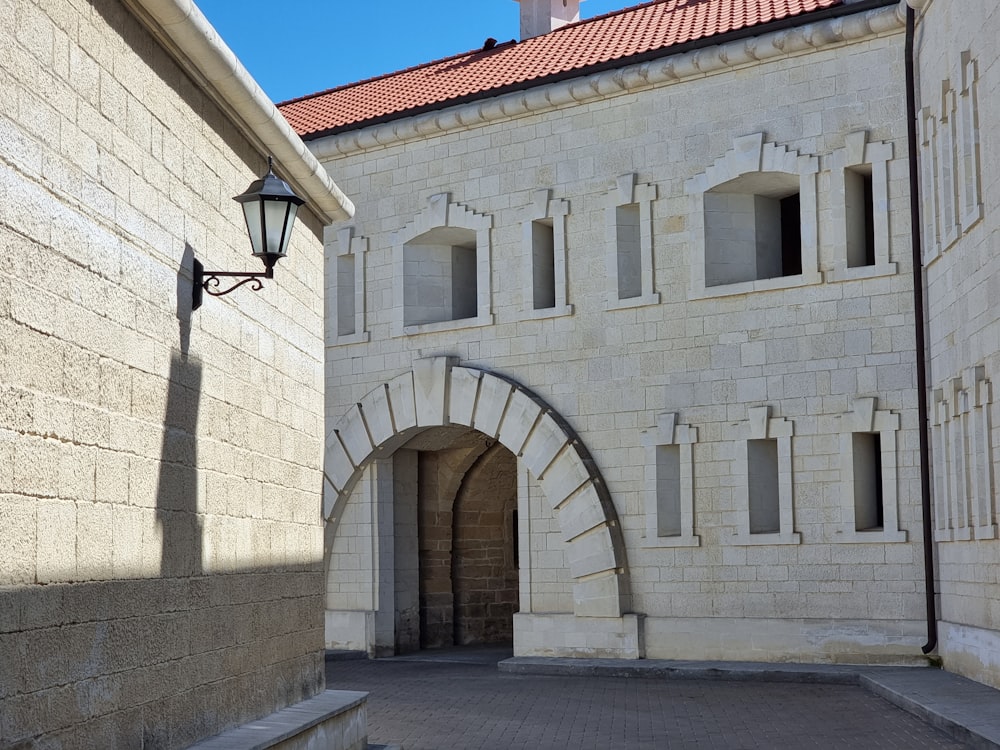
177,484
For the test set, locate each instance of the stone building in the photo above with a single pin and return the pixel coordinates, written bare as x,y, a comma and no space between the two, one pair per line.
160,468
624,342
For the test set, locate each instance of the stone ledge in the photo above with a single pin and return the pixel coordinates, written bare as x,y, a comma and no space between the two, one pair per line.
296,725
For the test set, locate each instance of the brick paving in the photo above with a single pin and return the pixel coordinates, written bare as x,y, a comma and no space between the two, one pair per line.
432,702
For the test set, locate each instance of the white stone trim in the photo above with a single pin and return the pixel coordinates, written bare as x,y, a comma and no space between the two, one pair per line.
668,432
442,212
930,197
857,151
663,71
969,156
338,244
543,206
866,419
437,393
185,32
760,426
626,192
750,154
965,481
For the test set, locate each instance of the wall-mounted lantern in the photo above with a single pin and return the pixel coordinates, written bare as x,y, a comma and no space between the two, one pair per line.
269,205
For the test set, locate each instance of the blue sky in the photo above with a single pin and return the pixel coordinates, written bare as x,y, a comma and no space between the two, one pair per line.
298,47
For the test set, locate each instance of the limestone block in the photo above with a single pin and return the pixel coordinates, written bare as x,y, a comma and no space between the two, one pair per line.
592,552
566,475
338,466
354,435
462,395
599,596
401,399
581,513
378,415
545,441
430,390
493,396
521,415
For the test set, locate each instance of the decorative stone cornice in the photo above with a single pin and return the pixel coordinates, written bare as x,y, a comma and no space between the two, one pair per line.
187,35
667,70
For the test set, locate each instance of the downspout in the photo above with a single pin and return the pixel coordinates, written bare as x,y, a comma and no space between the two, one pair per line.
920,331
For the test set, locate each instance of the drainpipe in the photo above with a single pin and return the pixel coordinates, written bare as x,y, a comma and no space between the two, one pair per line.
920,331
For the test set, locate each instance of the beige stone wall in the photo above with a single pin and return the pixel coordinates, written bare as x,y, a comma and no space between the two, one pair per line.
810,351
160,571
960,191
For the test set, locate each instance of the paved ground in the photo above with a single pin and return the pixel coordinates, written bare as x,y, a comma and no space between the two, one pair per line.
459,699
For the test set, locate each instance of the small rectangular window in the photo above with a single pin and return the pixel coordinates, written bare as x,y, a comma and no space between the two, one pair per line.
668,490
629,252
345,295
543,264
860,210
868,505
762,477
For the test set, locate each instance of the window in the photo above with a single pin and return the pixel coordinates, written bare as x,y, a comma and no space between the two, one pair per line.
766,486
752,229
968,166
754,220
860,218
670,483
868,469
443,269
630,237
545,249
859,194
345,260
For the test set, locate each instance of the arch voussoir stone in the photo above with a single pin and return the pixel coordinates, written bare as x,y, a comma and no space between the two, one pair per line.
436,393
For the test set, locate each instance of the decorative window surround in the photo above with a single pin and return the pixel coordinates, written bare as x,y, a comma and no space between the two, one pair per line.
668,432
544,208
858,151
969,157
442,213
983,489
866,419
343,247
963,459
928,185
627,193
750,155
947,172
761,426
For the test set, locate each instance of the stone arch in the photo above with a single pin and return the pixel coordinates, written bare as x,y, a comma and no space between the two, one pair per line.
437,393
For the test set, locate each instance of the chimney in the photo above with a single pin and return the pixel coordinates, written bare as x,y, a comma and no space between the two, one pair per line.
542,16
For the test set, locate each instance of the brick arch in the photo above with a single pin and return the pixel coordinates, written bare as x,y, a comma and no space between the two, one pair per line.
438,393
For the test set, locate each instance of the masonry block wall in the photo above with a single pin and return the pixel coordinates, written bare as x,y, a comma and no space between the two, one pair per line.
160,569
958,82
802,347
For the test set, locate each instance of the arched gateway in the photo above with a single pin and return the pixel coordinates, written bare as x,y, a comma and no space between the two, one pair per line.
438,393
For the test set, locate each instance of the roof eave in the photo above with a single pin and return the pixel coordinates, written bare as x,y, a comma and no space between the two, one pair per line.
186,34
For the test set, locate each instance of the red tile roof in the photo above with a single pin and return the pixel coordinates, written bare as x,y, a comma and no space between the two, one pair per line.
573,50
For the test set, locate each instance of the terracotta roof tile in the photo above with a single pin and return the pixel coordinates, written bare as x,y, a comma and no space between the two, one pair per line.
573,49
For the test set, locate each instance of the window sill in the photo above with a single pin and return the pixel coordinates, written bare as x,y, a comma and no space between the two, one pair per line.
350,338
446,325
752,540
671,541
850,535
548,312
758,285
626,304
860,272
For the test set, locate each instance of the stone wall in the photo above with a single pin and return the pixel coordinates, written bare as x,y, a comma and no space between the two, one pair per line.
806,360
160,574
958,80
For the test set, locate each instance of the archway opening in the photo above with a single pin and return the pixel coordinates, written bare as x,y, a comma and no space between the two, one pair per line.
456,556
